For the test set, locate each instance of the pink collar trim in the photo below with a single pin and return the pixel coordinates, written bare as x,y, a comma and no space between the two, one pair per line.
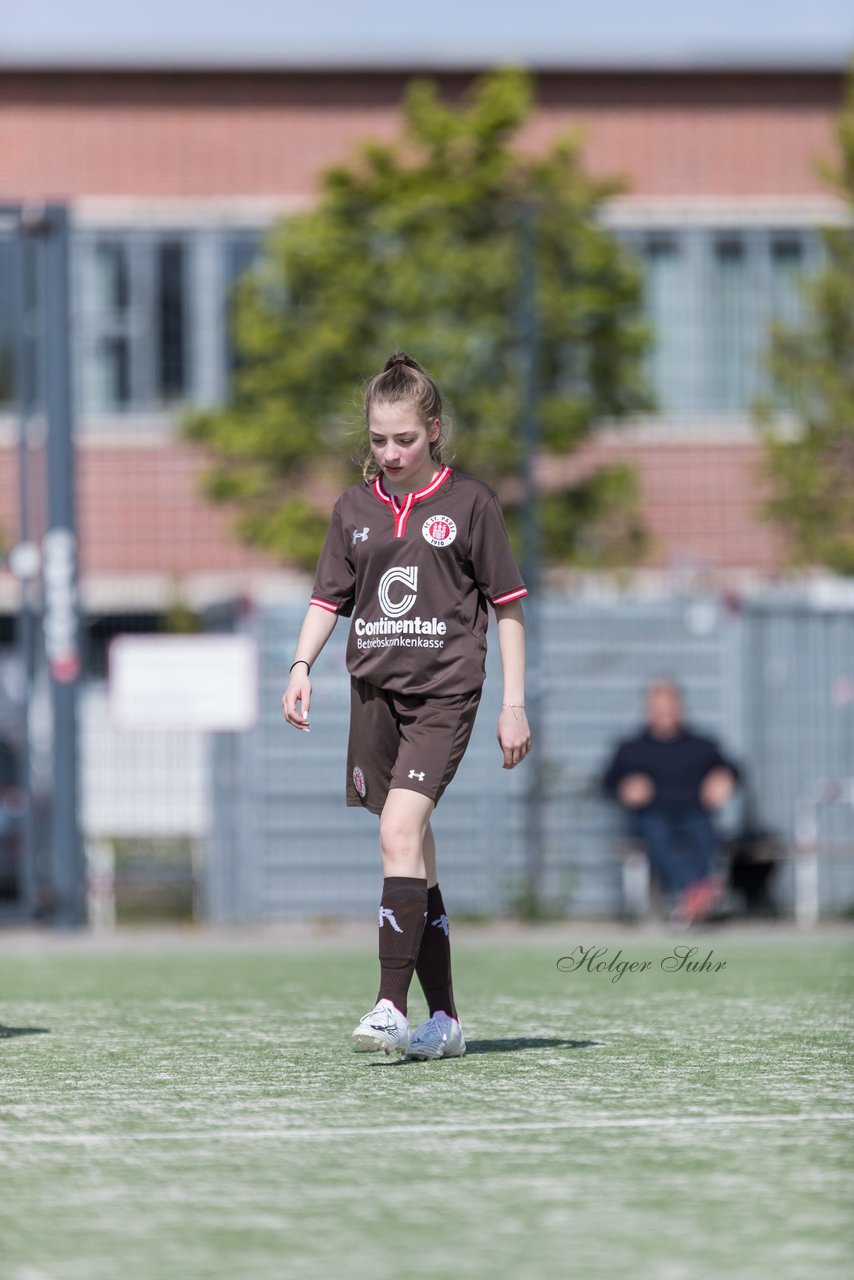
398,505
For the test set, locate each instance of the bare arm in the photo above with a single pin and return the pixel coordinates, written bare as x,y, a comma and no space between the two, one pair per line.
514,735
316,629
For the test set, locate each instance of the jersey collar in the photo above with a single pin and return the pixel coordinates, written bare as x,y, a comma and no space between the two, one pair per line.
402,506
399,503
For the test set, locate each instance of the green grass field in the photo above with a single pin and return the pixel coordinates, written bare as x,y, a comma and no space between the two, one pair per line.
195,1111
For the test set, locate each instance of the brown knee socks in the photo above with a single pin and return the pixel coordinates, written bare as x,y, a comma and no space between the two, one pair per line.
401,924
433,965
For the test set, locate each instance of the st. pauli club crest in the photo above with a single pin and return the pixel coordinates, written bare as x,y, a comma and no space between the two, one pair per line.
439,531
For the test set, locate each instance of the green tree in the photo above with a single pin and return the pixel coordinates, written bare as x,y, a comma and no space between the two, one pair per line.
414,246
812,373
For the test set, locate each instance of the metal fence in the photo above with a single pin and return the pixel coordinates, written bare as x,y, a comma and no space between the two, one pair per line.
773,681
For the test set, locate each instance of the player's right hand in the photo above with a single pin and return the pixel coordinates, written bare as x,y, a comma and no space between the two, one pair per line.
297,694
636,791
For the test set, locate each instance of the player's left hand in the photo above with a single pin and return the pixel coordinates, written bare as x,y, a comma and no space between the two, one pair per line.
716,788
514,736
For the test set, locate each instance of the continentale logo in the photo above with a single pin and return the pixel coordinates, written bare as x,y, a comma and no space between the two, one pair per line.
397,594
409,577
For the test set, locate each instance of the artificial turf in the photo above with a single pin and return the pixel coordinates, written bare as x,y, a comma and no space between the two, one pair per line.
195,1111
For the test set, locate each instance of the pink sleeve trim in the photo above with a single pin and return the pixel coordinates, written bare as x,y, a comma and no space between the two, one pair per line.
324,604
510,595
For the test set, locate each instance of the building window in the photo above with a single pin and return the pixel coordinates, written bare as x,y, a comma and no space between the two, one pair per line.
172,381
734,324
153,316
131,308
22,368
788,263
242,252
667,302
711,297
112,295
154,313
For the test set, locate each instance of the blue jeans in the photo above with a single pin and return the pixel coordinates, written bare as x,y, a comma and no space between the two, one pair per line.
681,848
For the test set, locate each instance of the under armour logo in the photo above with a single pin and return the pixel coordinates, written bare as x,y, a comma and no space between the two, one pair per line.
441,923
419,776
361,536
386,913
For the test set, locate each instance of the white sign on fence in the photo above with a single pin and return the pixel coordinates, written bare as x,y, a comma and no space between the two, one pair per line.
183,682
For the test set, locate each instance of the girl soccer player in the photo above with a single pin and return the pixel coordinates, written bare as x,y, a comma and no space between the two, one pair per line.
414,554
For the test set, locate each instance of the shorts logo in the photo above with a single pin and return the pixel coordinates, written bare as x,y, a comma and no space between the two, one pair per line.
439,531
409,577
359,782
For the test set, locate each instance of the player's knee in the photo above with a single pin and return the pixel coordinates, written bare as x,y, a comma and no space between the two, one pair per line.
400,840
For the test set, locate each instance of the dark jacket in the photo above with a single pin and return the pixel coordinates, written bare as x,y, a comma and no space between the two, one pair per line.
677,767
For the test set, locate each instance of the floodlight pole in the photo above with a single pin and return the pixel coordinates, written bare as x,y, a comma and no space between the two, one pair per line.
59,552
530,437
27,615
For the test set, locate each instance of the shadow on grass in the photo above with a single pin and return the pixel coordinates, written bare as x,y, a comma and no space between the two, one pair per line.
525,1042
6,1033
491,1046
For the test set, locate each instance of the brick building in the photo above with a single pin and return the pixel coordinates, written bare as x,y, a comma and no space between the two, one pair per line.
174,173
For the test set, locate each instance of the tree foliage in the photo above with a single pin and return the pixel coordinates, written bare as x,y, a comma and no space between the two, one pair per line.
812,369
415,246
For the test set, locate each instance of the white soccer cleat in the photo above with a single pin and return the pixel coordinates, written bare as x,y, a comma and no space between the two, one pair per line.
438,1037
384,1028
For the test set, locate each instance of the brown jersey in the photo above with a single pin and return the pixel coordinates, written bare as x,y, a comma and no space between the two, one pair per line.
416,574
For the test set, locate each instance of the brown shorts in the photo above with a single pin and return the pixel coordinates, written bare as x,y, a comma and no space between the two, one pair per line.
397,740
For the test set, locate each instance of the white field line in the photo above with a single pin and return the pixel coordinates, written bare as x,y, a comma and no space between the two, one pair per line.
428,1130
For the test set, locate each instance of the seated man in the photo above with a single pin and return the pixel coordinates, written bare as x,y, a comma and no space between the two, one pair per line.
671,780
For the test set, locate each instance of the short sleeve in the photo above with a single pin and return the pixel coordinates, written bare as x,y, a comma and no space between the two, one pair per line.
334,582
495,571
